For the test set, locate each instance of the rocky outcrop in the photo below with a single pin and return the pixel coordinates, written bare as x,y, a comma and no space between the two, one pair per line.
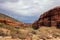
49,18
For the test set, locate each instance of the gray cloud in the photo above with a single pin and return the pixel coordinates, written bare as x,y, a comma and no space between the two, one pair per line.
29,7
2,1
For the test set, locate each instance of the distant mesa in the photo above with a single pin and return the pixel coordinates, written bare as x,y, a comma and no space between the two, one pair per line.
49,19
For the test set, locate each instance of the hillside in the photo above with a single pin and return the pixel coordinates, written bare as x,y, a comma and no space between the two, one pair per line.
4,16
11,21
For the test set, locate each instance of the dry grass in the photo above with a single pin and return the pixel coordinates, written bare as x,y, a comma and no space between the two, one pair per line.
43,32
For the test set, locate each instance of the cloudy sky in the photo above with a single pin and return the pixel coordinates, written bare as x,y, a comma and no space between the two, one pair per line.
26,10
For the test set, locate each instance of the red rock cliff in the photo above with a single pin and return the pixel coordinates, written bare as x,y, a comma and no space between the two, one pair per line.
49,18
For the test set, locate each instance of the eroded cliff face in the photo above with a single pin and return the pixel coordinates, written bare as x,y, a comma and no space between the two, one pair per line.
49,18
11,21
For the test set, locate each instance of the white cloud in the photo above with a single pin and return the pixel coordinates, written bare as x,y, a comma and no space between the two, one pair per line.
29,7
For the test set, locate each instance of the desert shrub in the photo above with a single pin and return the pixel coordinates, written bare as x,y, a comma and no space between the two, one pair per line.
2,33
11,28
35,27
